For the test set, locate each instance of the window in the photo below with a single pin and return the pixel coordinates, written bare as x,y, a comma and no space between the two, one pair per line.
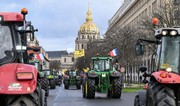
72,59
82,36
64,60
6,44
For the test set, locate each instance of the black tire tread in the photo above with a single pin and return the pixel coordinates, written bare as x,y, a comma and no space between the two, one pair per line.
163,95
116,87
90,88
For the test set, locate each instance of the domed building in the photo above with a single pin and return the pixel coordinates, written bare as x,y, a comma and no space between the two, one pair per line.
88,31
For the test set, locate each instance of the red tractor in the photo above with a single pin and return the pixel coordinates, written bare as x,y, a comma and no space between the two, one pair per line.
163,83
19,84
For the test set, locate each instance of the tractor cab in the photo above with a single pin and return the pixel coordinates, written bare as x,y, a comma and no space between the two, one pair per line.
72,73
167,56
168,52
14,31
101,64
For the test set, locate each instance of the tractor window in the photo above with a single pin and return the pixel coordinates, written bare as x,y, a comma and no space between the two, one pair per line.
48,73
170,54
102,65
6,44
72,73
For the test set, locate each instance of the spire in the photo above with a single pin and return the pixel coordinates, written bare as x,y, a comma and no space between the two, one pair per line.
89,14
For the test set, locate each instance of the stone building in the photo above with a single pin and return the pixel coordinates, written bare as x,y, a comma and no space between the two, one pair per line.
63,57
88,31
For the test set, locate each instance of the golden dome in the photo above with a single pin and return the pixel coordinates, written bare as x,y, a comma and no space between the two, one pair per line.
89,26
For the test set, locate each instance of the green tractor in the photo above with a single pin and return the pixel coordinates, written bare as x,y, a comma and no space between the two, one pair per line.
102,78
72,78
58,78
51,78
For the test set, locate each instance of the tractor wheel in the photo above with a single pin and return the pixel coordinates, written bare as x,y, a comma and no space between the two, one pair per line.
116,88
90,88
44,85
160,95
136,101
52,84
66,85
78,84
33,99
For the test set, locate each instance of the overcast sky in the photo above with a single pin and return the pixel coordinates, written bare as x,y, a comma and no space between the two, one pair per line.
58,21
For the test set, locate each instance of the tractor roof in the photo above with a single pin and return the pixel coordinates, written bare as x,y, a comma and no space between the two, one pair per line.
11,16
101,58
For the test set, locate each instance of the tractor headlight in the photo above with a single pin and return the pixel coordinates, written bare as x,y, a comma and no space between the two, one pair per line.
21,47
173,33
164,32
169,69
103,75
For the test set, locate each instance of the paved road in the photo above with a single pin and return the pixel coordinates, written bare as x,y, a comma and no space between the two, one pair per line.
73,97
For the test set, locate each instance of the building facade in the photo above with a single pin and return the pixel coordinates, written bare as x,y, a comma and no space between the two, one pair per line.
65,59
131,14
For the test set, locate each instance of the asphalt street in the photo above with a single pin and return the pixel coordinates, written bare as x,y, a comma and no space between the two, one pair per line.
73,97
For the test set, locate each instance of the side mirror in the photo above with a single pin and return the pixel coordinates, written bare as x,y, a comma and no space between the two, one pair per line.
139,48
31,31
142,69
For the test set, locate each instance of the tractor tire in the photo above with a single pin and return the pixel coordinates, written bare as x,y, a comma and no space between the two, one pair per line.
90,88
33,99
78,84
160,95
45,85
52,84
66,85
116,88
136,101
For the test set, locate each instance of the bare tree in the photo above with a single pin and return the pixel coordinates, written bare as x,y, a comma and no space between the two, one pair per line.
54,65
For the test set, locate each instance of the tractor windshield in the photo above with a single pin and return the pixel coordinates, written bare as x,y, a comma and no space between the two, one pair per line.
6,44
72,73
102,65
170,54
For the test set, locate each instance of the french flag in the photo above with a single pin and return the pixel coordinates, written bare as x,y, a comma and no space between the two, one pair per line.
39,57
114,52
